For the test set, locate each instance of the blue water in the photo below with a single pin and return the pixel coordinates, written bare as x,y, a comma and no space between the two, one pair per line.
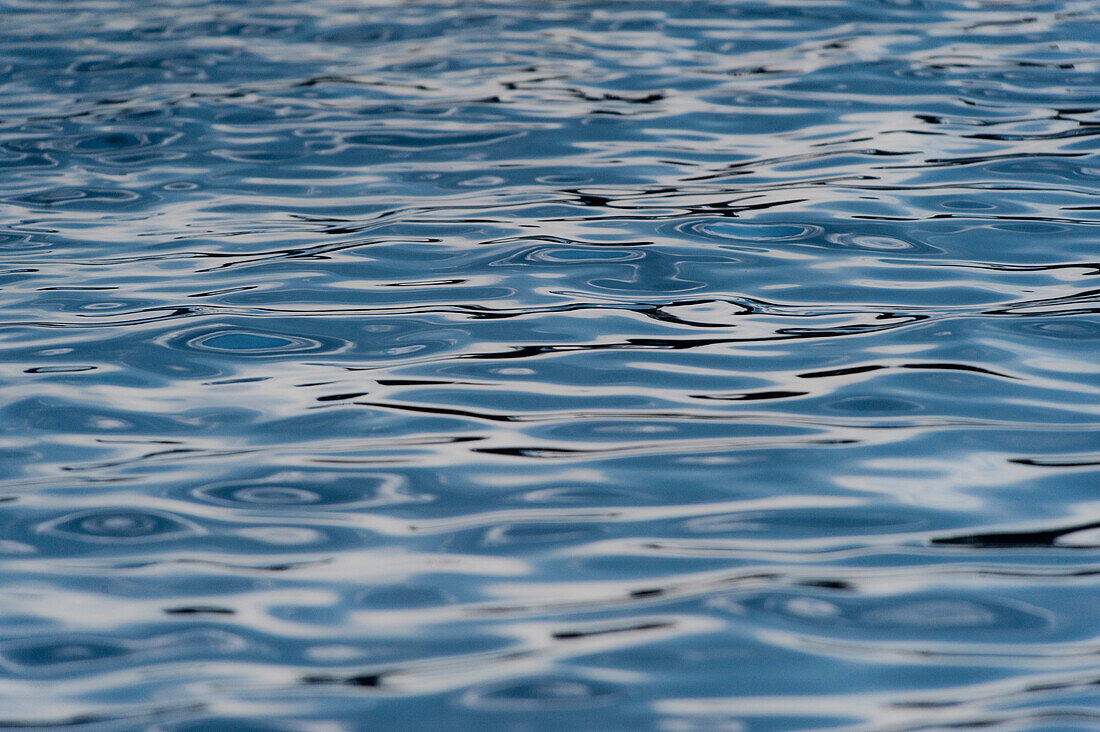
536,365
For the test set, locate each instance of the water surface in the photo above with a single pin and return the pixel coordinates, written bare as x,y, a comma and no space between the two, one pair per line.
549,365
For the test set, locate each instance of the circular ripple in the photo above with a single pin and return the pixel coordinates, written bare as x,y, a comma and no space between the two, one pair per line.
47,653
252,343
276,495
898,615
565,255
876,242
111,526
749,233
314,491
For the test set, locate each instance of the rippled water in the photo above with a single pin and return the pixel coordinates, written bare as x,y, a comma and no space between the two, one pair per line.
550,365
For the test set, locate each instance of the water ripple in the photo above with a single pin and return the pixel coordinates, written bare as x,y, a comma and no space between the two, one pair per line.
590,366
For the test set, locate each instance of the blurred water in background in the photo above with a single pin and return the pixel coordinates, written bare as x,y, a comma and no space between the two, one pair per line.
549,365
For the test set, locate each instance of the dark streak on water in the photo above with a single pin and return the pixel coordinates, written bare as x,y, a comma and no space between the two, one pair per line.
550,365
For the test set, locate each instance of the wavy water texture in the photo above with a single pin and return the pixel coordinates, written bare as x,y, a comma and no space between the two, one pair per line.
550,365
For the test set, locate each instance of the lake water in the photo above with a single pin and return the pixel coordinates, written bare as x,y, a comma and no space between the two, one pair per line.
601,366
